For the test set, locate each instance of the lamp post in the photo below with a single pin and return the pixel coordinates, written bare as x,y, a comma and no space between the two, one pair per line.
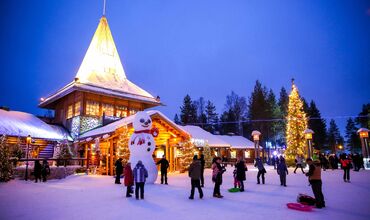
256,138
308,136
28,140
364,136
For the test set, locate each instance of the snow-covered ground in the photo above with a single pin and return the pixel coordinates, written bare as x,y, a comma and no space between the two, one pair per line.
96,197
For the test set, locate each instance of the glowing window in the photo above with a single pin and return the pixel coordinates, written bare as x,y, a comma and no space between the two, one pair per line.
107,109
77,108
133,111
92,108
247,154
70,111
121,111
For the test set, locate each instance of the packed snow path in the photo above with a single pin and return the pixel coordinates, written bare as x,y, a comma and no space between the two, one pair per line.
97,197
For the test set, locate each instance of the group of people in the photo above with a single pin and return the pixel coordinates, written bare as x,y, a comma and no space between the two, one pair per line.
41,170
138,175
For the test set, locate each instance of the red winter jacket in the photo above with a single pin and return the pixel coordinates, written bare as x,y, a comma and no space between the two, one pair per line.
345,163
129,177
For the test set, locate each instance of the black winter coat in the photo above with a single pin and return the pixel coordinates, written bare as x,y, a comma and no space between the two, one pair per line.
240,170
119,167
164,165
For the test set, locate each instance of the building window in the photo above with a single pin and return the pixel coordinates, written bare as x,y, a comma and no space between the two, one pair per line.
107,109
77,108
70,111
133,111
92,108
121,111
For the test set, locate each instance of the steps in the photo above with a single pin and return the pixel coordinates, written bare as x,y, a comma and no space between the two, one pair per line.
47,152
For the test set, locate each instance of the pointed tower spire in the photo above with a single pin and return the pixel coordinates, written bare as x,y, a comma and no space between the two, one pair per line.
104,5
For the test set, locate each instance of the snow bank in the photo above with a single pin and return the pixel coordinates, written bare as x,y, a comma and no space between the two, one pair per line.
97,197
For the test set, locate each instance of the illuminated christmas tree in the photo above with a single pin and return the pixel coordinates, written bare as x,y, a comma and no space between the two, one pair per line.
296,124
187,155
123,150
207,156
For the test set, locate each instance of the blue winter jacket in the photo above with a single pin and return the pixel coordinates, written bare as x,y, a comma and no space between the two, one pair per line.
140,173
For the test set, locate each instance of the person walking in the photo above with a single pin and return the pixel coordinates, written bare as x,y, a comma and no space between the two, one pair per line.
195,170
129,179
202,164
298,163
164,166
45,170
37,171
119,170
140,175
261,170
282,171
345,163
240,172
314,177
217,171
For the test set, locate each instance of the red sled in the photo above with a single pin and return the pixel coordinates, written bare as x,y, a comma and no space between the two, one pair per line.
299,207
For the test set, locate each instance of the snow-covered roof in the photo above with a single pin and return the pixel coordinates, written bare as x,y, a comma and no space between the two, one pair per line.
14,123
198,133
237,142
101,72
110,128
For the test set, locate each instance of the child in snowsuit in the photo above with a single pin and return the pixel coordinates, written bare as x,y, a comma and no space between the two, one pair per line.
236,181
140,175
129,179
282,171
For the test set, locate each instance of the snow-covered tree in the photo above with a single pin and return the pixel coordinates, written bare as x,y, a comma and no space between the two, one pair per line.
207,156
188,151
123,151
5,165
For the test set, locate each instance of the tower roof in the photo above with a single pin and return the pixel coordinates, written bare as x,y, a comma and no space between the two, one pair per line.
101,71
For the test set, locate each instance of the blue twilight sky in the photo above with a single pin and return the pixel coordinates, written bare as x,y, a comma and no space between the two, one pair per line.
204,48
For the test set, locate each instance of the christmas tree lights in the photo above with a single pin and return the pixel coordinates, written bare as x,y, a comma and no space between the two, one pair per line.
296,124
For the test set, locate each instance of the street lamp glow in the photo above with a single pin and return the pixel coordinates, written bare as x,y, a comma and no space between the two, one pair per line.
256,135
308,134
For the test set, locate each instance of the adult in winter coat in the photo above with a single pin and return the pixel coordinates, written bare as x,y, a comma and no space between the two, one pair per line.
261,170
119,170
314,177
164,166
282,171
37,171
195,170
345,163
202,164
240,172
140,175
298,163
217,171
129,179
45,170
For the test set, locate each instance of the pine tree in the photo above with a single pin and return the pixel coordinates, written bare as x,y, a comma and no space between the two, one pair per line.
188,151
177,120
259,109
334,137
123,150
228,124
364,119
318,125
188,113
5,165
236,108
65,152
211,116
283,102
352,139
296,124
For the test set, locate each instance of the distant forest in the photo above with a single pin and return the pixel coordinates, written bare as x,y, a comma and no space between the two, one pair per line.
265,112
